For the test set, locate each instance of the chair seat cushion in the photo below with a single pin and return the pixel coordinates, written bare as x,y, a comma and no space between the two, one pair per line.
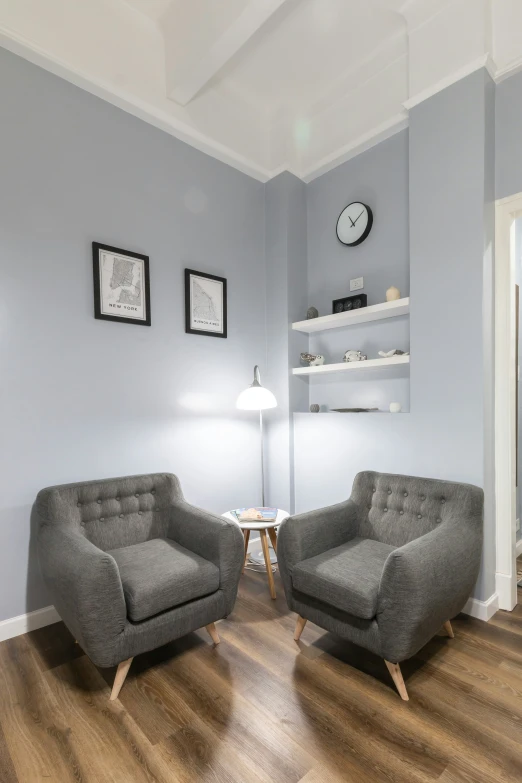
160,574
346,577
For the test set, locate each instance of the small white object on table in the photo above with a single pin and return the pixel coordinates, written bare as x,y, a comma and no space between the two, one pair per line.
263,526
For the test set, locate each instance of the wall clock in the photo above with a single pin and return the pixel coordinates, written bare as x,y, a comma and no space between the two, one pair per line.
354,224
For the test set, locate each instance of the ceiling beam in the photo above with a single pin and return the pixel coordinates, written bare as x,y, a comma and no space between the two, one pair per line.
206,63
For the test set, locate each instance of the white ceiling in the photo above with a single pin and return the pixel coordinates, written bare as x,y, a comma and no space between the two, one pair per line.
267,85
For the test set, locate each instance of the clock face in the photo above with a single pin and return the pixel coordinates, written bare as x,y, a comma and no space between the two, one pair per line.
354,224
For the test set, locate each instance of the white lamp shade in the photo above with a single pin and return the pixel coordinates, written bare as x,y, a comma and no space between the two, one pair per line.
256,398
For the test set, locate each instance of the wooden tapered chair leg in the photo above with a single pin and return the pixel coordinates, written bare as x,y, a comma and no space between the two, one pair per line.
449,629
121,673
395,671
299,628
213,633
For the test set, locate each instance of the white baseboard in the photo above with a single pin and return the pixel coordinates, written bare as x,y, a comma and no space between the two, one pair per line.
519,547
16,626
482,610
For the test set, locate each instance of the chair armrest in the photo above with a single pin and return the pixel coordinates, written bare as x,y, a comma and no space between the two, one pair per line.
426,582
306,535
212,537
85,586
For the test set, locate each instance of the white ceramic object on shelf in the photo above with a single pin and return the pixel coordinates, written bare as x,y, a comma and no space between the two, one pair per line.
392,294
313,360
395,407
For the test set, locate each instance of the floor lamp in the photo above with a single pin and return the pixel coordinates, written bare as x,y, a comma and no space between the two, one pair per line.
257,398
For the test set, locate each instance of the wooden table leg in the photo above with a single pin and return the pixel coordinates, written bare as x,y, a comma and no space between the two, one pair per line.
273,538
246,534
264,543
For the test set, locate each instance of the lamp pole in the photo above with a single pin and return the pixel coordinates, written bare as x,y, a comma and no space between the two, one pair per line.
257,398
262,459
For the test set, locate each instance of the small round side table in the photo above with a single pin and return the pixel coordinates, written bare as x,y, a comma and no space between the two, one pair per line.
263,526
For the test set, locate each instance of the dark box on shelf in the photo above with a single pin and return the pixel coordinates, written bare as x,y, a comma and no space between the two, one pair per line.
348,303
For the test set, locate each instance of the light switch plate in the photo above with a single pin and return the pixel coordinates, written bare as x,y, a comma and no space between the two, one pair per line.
356,284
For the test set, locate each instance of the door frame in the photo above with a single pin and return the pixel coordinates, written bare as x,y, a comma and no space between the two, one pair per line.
507,210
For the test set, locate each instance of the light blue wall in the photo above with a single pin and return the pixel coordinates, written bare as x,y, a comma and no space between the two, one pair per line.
84,399
508,134
287,293
451,232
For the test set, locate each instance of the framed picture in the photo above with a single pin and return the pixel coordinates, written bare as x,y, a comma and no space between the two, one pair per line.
121,285
205,304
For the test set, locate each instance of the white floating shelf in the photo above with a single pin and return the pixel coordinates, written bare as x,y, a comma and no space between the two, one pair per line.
361,316
369,364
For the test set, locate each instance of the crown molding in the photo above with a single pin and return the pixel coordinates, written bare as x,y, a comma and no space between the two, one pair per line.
484,61
129,103
515,66
382,132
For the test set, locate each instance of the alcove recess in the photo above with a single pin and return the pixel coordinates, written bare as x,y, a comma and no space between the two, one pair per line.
391,372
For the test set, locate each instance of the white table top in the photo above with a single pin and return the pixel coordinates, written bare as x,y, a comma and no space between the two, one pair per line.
258,524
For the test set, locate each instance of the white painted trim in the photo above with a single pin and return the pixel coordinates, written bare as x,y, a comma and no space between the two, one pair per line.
31,621
130,103
482,62
506,210
482,610
363,143
147,112
515,66
518,548
367,364
363,315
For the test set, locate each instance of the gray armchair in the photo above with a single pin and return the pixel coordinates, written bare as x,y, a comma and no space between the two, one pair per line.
387,568
130,565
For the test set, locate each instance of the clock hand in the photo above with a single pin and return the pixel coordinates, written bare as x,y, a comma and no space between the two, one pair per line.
357,218
351,221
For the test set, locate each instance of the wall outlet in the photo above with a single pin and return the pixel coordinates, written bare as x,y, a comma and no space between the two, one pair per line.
356,284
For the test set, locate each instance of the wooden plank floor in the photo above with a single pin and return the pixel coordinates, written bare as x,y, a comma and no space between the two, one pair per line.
260,708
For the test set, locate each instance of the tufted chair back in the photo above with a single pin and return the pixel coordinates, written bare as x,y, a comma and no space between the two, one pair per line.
115,512
397,509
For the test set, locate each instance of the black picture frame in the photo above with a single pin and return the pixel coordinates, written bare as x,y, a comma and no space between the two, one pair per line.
347,304
190,316
101,303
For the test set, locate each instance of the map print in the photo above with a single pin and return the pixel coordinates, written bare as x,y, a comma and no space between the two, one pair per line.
206,304
202,304
121,282
122,278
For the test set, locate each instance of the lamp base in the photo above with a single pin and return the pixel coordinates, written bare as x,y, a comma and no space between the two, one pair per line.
258,558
